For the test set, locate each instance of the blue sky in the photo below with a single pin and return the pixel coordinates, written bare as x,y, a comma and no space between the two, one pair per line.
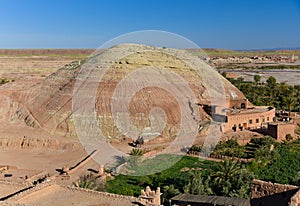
229,24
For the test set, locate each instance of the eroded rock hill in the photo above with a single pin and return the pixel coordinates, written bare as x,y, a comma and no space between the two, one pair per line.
47,104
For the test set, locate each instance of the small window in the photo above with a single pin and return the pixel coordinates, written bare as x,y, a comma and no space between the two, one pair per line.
257,120
263,120
250,121
268,119
243,105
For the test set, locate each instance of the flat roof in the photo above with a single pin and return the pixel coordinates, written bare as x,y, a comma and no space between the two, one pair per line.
252,110
280,123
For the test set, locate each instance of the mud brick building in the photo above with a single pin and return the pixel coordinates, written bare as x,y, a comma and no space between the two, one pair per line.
240,114
279,130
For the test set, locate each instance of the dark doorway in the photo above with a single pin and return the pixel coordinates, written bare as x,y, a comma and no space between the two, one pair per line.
243,106
234,128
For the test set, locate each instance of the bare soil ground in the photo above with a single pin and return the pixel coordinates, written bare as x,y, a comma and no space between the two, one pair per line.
20,63
7,189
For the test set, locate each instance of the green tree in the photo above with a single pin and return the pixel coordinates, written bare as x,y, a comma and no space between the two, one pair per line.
226,171
224,74
198,184
271,81
296,179
230,148
231,179
257,78
169,191
289,102
228,178
284,167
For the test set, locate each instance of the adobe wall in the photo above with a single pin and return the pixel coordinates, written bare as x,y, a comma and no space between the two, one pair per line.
284,129
237,103
280,130
243,119
261,188
296,120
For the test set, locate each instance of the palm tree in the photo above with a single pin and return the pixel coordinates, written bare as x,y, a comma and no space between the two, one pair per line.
227,177
89,182
226,171
135,158
136,152
289,102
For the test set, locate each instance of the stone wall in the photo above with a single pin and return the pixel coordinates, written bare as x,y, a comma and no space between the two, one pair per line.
261,188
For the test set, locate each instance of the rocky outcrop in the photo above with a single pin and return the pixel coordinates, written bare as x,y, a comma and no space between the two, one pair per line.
12,111
48,104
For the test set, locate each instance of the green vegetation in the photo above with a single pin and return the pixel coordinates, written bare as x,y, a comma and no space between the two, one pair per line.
189,175
257,78
195,148
175,175
230,148
136,152
90,182
271,161
284,168
268,160
279,95
228,178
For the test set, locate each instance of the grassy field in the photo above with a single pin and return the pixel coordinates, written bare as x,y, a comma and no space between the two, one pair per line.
132,185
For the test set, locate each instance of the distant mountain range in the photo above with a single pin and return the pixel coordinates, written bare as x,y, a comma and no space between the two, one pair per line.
273,49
